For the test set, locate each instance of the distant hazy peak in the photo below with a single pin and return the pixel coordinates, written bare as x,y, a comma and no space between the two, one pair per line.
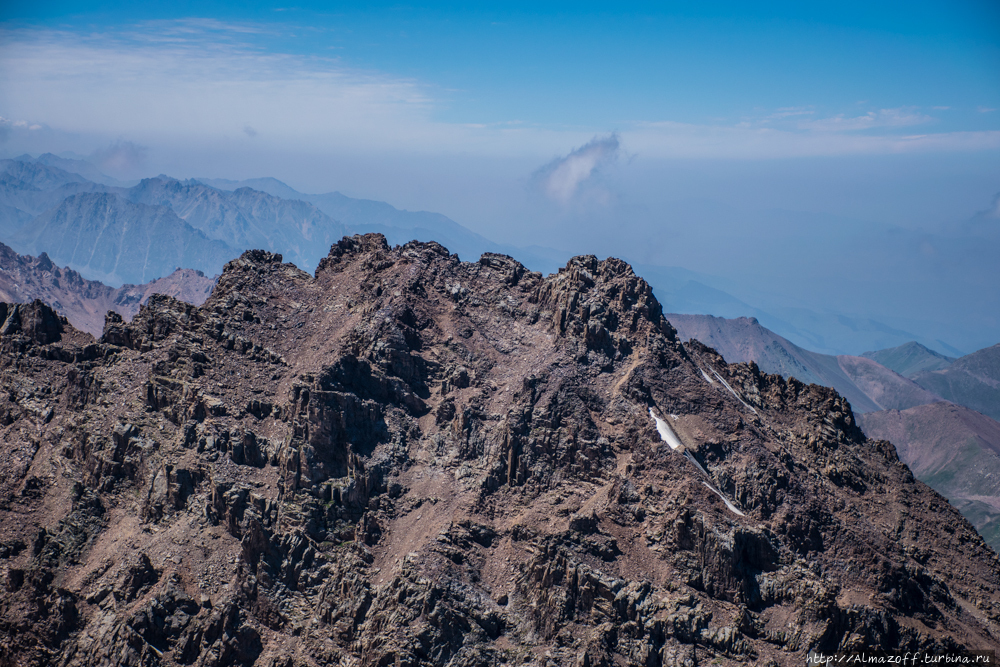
268,184
87,170
37,175
910,358
972,381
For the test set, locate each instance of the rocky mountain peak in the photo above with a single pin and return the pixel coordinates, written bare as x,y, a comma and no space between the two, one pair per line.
409,459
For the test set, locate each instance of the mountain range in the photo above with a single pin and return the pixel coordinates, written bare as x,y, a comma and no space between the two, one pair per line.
139,232
972,380
910,359
405,459
941,456
868,385
86,302
116,240
223,217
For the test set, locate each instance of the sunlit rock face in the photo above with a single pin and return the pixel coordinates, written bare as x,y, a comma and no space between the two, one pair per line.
407,459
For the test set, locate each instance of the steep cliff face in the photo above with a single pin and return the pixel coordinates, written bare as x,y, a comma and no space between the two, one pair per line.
410,460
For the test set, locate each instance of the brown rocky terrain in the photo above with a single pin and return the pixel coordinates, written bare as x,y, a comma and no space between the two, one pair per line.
409,460
85,302
945,445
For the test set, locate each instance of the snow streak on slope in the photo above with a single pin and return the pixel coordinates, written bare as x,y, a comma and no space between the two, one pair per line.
693,460
666,433
668,436
732,391
724,499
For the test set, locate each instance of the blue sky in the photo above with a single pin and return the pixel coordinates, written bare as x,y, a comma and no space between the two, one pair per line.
871,69
577,126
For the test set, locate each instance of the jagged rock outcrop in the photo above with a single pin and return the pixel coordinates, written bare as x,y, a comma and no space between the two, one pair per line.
35,321
410,460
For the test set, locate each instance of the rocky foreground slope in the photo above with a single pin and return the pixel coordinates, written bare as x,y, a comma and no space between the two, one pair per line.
408,460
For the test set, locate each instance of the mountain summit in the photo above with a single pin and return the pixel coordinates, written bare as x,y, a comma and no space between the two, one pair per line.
408,459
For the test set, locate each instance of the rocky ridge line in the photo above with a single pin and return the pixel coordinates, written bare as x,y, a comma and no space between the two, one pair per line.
406,459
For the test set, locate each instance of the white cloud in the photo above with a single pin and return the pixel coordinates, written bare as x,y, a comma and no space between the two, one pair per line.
562,178
788,112
202,83
186,82
8,126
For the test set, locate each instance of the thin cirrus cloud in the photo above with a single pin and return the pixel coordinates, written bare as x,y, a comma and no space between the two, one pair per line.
202,81
178,83
749,140
883,118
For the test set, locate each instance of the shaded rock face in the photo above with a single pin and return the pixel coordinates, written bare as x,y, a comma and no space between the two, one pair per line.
35,321
410,460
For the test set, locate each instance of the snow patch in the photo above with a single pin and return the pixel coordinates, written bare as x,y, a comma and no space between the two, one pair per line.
705,375
669,437
666,433
731,506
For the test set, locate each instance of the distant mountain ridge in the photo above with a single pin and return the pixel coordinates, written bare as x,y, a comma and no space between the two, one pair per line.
910,359
972,380
245,218
118,241
85,302
108,231
868,385
88,170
